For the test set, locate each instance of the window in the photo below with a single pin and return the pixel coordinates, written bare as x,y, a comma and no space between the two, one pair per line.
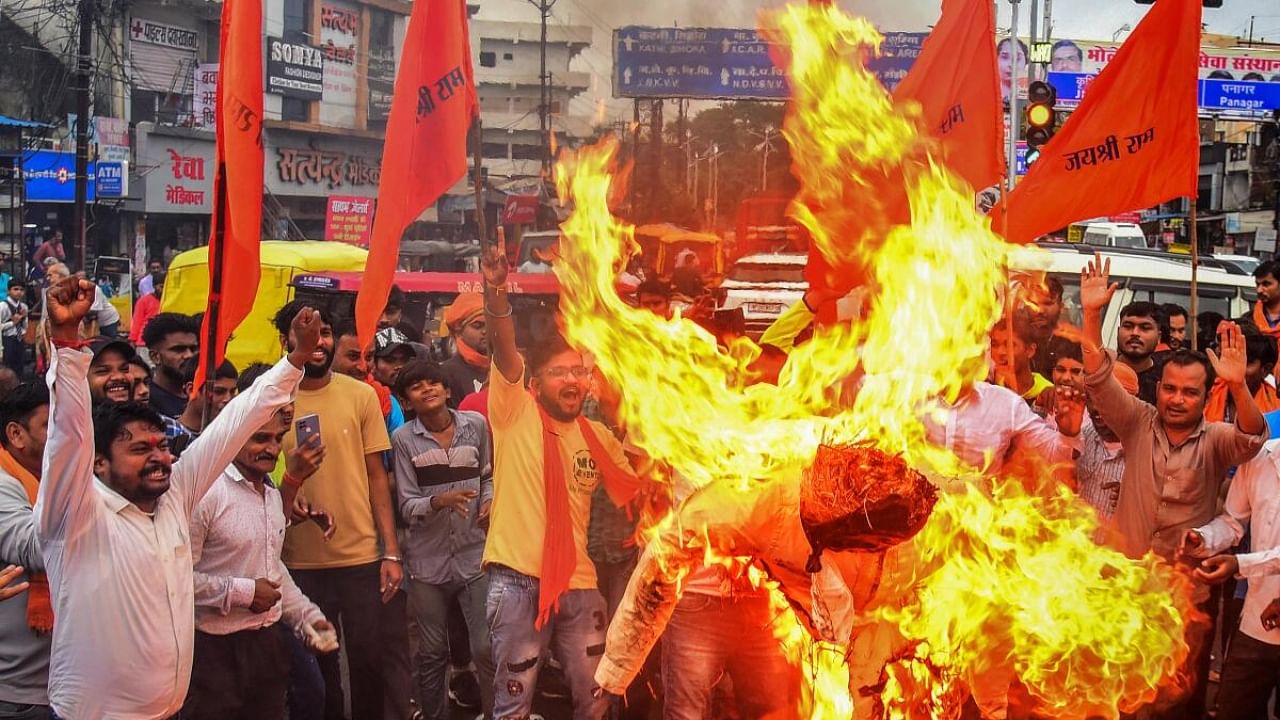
488,59
292,108
494,151
508,56
296,14
526,152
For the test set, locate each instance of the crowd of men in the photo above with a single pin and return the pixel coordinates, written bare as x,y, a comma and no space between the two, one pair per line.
464,532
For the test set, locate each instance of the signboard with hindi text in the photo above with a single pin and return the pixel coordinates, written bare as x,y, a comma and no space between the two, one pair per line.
1236,81
339,38
724,63
349,219
176,171
205,101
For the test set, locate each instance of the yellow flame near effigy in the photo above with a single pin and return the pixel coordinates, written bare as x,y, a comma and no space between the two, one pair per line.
1002,578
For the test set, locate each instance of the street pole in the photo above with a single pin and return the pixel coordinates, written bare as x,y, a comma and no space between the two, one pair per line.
544,9
1013,95
87,10
1033,69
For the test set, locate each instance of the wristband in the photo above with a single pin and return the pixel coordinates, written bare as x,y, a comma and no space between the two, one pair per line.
498,316
291,481
393,558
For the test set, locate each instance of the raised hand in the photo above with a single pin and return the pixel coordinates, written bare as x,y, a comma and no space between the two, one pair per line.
305,332
66,305
1229,362
1068,410
493,264
1096,287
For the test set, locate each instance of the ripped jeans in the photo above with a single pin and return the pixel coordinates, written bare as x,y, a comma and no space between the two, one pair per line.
575,634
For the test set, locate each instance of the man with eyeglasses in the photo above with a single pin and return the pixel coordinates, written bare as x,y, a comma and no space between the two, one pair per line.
548,460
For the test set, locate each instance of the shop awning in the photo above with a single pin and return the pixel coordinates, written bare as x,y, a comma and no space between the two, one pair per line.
6,121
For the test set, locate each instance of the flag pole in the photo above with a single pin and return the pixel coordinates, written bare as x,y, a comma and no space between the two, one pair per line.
1195,267
477,142
216,250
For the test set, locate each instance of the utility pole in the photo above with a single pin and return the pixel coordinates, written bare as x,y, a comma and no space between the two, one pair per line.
544,9
1013,96
766,145
655,149
88,14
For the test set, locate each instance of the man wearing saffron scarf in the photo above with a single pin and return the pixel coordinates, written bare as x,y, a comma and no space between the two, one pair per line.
468,369
1260,354
26,622
548,460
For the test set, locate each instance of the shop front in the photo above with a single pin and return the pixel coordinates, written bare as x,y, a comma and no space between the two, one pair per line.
171,191
304,170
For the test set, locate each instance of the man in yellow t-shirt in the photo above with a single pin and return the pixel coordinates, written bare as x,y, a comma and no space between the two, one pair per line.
528,613
354,574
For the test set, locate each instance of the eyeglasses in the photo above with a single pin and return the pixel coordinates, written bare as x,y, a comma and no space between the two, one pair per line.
559,373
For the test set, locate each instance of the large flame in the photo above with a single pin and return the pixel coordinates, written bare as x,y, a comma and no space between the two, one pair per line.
998,579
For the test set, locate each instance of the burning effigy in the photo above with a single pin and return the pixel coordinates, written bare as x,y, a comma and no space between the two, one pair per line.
905,579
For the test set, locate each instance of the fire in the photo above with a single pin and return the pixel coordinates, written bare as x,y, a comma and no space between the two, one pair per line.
999,578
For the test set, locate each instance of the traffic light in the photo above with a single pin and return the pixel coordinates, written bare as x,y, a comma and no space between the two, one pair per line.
1041,118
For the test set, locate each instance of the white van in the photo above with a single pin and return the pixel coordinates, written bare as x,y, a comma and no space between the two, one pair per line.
1142,277
1114,235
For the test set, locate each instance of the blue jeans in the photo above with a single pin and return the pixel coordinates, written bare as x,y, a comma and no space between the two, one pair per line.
430,604
575,633
306,684
709,636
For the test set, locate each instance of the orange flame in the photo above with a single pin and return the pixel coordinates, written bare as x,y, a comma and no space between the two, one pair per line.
999,579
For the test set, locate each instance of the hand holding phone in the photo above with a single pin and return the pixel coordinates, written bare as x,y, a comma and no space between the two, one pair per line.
308,426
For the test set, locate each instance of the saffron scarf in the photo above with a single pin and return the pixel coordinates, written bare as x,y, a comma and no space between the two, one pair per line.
558,552
471,356
1260,320
1215,408
39,603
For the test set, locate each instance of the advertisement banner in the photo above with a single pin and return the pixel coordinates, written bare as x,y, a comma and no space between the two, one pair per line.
349,219
294,70
147,31
339,37
176,173
520,210
1232,80
204,103
114,278
49,176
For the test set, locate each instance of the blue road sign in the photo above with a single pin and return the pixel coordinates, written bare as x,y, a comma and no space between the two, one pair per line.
724,63
1220,95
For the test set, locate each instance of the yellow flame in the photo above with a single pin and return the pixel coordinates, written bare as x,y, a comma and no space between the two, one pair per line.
1005,579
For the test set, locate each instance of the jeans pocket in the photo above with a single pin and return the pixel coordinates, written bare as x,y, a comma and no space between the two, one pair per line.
493,601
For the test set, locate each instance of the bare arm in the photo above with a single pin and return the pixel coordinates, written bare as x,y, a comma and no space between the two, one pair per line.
1096,290
384,520
501,328
1229,363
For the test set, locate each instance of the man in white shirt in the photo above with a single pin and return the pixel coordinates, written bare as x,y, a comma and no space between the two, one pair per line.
116,549
1249,674
243,590
13,327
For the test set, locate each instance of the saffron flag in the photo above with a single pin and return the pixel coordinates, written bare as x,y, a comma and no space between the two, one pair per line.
426,147
956,83
237,180
1134,142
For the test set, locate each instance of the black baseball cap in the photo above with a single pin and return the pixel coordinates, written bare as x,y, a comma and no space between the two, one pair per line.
101,344
389,340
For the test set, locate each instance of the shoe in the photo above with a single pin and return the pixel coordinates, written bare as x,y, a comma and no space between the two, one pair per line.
464,690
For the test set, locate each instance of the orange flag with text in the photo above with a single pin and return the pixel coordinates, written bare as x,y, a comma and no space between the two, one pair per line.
1133,142
425,152
237,182
956,82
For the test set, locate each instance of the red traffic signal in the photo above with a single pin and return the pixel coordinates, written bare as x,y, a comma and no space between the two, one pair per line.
1040,115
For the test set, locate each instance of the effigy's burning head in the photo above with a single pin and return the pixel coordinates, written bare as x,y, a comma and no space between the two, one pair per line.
857,497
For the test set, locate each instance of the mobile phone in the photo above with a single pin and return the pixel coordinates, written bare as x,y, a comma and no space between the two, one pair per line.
308,427
320,519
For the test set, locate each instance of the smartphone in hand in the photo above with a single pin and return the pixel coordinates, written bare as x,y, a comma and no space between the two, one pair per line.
307,427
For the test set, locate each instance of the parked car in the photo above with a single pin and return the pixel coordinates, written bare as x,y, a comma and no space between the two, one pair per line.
1115,235
763,286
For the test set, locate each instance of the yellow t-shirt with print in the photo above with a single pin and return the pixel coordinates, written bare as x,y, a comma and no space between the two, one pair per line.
518,515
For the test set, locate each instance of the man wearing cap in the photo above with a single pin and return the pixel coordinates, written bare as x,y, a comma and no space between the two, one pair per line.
468,370
392,350
110,378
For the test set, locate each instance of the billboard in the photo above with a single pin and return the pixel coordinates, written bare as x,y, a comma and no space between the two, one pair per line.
294,70
1235,81
349,219
724,63
49,176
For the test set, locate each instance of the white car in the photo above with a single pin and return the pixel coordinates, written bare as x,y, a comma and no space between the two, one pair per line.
764,286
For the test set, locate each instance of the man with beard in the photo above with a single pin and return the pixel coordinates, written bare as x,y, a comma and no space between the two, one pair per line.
188,426
116,549
25,622
243,590
171,340
1136,341
548,460
468,370
1266,312
359,571
1173,333
110,376
1176,461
